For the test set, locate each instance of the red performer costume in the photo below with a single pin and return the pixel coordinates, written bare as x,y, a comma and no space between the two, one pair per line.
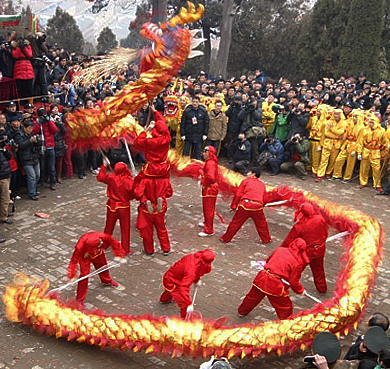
311,227
285,263
90,249
248,203
152,186
180,276
119,193
210,187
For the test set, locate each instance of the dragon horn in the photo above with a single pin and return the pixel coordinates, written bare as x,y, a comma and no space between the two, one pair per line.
187,15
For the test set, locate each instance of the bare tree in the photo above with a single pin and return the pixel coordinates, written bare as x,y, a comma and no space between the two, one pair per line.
228,13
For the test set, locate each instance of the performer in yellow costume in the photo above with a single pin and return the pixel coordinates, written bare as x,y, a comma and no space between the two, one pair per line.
315,125
348,150
369,145
268,113
332,138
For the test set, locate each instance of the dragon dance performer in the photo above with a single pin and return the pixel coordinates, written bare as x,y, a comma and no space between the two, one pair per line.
152,185
311,226
210,188
119,193
248,202
90,250
285,264
180,276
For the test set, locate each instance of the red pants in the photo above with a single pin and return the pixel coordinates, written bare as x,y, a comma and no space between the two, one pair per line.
181,299
68,162
240,217
208,213
317,268
281,304
59,162
145,223
123,214
85,268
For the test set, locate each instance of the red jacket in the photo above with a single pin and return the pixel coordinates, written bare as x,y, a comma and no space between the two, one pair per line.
210,177
91,245
250,195
311,227
49,129
284,263
23,68
155,148
188,270
119,186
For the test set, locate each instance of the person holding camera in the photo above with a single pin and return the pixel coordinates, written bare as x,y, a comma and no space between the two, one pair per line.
241,154
251,125
282,125
299,118
23,69
274,153
296,155
49,128
39,62
29,152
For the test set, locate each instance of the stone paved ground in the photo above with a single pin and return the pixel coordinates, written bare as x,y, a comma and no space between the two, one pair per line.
42,247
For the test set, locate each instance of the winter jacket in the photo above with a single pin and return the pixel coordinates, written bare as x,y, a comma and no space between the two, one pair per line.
249,118
5,169
194,124
297,152
298,123
59,141
241,150
234,124
23,68
17,115
218,126
28,152
281,127
276,149
49,129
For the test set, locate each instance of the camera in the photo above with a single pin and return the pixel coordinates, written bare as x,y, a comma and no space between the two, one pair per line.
309,359
294,140
298,111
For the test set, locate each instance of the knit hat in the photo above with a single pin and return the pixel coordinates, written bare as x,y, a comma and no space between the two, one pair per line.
326,344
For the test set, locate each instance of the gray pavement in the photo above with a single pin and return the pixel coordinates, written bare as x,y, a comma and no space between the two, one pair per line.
43,247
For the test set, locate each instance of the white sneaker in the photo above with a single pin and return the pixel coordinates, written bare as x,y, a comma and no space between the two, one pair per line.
18,198
201,224
203,234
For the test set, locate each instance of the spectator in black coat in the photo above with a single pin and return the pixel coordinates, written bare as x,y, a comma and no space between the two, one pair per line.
194,127
241,154
299,118
29,155
5,178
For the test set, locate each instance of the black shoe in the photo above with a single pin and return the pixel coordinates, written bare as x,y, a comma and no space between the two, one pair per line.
382,194
2,240
34,198
10,215
8,221
81,176
53,187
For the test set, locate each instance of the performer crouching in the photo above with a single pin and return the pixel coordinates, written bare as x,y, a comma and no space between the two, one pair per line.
284,264
180,276
90,250
119,193
248,202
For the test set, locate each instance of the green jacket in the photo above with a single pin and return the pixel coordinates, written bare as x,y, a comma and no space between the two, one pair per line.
281,126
